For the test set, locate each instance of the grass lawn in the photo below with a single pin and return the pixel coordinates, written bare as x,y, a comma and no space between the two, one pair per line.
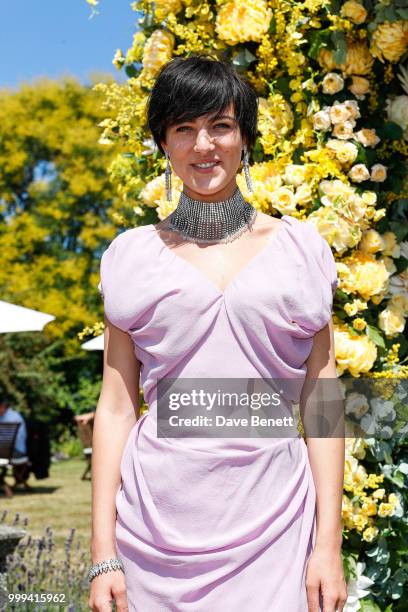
62,502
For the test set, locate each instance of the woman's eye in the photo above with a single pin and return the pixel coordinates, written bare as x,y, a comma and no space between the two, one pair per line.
184,127
224,124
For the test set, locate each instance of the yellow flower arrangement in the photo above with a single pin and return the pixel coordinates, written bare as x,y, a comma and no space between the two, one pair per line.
275,121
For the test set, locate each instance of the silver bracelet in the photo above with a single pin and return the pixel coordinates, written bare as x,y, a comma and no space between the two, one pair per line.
105,566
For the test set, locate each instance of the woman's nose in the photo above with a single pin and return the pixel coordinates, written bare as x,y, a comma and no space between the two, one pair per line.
203,141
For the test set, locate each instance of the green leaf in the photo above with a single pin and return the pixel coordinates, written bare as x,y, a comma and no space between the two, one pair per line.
340,47
390,14
402,12
368,605
375,335
390,130
130,70
243,59
399,229
317,39
272,25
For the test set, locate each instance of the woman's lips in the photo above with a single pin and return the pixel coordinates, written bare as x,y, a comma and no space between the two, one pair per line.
205,170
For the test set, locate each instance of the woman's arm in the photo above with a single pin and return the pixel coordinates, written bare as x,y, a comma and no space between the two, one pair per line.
117,411
325,581
326,455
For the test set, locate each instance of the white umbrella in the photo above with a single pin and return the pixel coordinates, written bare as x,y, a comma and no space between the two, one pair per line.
95,344
15,318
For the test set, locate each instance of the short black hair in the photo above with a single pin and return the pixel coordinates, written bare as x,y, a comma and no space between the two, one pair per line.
188,88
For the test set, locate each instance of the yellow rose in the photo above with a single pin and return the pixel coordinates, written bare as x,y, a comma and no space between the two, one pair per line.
356,354
295,174
369,507
385,509
378,493
354,11
371,242
158,50
370,533
163,7
369,276
284,200
242,21
391,321
360,522
390,40
154,194
359,324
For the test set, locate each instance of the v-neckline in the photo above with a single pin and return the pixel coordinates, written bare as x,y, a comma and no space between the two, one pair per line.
222,292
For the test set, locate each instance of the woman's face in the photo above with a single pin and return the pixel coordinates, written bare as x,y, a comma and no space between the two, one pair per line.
206,140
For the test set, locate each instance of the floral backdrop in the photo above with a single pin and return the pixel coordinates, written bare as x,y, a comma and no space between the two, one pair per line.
332,81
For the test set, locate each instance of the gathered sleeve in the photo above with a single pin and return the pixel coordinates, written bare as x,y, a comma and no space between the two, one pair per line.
319,280
105,269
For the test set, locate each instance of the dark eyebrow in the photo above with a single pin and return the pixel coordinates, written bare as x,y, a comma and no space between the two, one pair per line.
217,118
224,117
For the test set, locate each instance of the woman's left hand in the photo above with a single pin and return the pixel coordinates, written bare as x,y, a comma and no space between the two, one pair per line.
325,574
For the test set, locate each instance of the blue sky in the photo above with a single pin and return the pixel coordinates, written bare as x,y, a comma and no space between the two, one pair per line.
56,37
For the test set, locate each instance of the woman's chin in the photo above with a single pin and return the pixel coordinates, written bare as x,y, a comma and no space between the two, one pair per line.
207,184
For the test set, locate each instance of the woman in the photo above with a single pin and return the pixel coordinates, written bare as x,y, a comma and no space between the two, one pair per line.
217,289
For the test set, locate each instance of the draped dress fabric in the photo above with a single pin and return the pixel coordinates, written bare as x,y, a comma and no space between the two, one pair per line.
228,524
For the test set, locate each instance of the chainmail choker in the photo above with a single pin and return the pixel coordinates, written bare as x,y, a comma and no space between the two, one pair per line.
199,221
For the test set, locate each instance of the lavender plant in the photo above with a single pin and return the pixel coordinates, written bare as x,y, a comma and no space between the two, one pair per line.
37,567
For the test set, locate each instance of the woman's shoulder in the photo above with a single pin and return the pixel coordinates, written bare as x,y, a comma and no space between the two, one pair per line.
131,237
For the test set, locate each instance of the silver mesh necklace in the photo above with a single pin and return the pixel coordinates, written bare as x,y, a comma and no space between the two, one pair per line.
199,221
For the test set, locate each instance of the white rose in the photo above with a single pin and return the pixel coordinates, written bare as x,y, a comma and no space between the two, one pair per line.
332,83
346,152
343,130
367,137
353,108
391,321
359,173
294,174
321,120
339,113
378,173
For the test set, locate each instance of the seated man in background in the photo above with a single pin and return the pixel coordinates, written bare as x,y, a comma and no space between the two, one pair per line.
9,415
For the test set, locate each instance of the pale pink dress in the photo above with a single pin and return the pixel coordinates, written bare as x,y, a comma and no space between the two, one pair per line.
217,525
